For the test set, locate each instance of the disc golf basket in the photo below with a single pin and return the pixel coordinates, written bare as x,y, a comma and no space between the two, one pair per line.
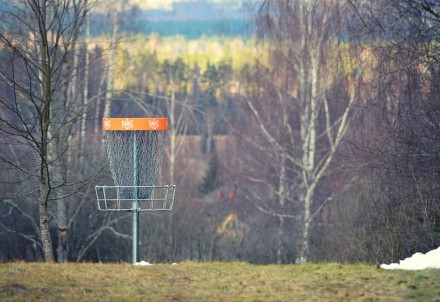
134,147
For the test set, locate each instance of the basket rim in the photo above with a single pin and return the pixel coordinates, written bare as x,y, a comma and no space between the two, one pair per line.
116,203
135,123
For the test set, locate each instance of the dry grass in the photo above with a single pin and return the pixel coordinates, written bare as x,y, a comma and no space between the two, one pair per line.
191,281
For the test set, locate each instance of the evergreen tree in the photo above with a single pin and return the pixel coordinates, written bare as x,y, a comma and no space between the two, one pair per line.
211,181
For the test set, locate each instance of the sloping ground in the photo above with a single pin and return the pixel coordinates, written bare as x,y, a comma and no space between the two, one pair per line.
237,281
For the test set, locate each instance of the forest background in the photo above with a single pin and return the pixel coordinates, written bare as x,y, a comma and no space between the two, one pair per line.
299,131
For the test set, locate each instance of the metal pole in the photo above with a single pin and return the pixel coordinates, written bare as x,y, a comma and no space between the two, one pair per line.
135,208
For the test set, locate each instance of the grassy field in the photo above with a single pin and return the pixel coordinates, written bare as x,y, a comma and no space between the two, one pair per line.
190,281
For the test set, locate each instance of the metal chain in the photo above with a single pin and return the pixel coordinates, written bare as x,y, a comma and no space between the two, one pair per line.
135,158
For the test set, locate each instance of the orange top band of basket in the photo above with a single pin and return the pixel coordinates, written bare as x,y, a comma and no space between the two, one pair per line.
127,124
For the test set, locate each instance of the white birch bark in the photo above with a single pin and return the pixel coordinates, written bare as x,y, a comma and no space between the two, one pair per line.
111,64
45,91
82,137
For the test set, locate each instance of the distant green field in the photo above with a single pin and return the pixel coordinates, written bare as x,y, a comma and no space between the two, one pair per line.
191,29
215,281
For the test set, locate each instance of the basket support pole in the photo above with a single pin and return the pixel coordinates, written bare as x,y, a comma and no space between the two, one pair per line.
135,207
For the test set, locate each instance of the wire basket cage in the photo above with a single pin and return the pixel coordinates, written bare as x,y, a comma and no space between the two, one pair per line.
134,149
116,198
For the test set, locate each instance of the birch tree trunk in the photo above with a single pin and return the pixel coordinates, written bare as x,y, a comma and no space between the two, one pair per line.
44,188
282,200
176,133
85,97
61,131
111,64
45,80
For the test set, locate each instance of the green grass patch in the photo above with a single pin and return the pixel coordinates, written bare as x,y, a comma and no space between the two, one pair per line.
236,281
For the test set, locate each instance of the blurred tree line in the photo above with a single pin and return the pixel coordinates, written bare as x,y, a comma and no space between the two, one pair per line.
317,140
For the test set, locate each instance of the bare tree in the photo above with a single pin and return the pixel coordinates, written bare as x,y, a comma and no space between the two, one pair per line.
301,112
402,115
38,102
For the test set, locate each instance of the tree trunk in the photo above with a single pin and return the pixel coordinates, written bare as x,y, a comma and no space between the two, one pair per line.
45,91
280,240
59,132
172,163
303,252
62,231
85,98
44,229
282,197
111,67
44,217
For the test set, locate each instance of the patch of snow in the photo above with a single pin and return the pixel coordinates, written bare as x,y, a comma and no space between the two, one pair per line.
143,263
418,261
